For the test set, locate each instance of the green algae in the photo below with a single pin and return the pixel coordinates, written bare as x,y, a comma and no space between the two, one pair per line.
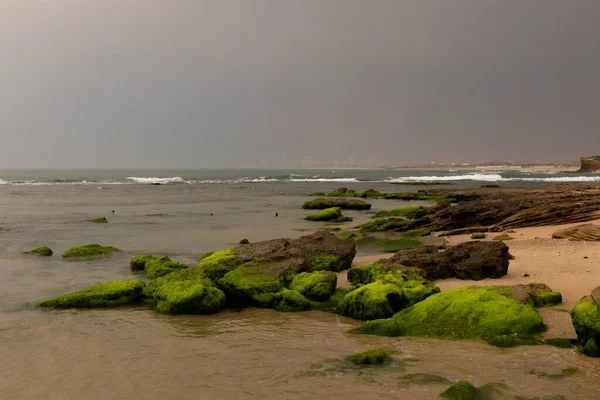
325,262
333,214
157,267
411,212
42,251
216,264
343,192
466,313
186,291
348,235
138,263
378,270
563,343
255,283
101,220
565,373
478,235
108,294
423,379
461,390
585,316
292,301
318,286
384,225
324,202
371,357
89,251
332,302
545,299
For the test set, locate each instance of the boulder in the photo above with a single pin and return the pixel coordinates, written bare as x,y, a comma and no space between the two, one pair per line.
333,214
534,294
186,291
587,232
586,321
378,356
318,286
326,251
467,313
42,251
343,203
157,267
108,294
470,260
216,264
89,251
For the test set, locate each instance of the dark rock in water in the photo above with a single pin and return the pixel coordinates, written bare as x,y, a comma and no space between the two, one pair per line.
108,294
534,294
586,321
43,251
345,204
469,260
370,357
155,184
587,232
244,241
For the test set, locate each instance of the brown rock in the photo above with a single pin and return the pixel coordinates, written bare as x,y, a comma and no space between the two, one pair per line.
590,164
469,260
587,232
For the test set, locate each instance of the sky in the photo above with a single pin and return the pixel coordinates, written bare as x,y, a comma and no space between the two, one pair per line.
220,83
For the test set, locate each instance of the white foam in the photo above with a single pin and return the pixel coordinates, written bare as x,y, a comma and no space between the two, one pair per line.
468,177
325,180
162,181
559,179
3,182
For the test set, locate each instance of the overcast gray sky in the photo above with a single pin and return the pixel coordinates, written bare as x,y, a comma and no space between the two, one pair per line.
199,83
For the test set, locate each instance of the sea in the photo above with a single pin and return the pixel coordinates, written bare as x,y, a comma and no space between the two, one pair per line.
134,352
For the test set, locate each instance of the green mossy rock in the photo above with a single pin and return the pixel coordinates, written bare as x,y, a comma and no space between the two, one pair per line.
101,220
292,301
503,237
384,298
43,251
325,262
365,274
318,286
108,294
328,214
586,321
185,292
89,251
467,313
478,235
345,204
254,283
162,266
216,264
461,390
370,357
138,263
348,235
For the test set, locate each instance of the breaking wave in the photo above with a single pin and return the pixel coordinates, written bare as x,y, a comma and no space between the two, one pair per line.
162,181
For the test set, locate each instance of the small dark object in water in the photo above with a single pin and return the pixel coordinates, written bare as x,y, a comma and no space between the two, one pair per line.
244,241
526,275
113,211
277,214
585,257
211,214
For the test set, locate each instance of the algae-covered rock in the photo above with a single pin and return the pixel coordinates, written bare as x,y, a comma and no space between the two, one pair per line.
461,390
292,301
186,291
348,235
534,294
326,251
423,379
157,267
89,251
370,357
345,204
411,212
586,321
216,264
108,294
370,273
503,237
467,313
319,285
328,214
101,220
43,251
384,298
138,263
255,283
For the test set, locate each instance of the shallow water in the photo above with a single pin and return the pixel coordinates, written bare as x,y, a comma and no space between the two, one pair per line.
134,352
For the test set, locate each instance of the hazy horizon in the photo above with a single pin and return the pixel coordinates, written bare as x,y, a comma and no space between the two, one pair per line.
214,84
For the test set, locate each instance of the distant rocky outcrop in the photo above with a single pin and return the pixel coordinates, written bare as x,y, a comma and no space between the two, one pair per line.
590,164
587,232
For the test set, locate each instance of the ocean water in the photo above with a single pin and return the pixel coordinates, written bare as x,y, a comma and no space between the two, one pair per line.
237,176
133,352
